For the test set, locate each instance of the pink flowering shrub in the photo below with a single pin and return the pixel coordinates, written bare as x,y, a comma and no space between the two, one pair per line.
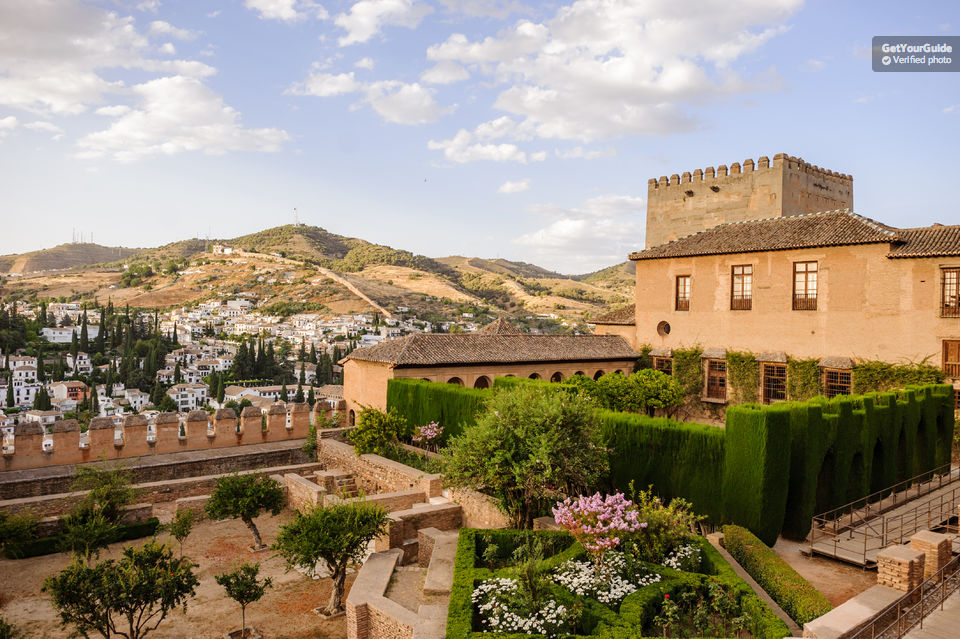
598,522
428,435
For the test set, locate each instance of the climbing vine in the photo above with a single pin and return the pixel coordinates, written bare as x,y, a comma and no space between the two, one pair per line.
644,361
803,379
743,377
871,376
688,370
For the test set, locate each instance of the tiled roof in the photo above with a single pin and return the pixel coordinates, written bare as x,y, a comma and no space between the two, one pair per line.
625,316
828,228
427,349
929,241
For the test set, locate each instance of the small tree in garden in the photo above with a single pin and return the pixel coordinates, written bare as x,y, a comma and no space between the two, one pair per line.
598,522
86,533
376,431
337,535
243,586
246,497
428,435
527,449
180,527
17,528
657,390
310,443
127,598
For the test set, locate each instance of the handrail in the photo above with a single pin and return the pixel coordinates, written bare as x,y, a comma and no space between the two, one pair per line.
937,588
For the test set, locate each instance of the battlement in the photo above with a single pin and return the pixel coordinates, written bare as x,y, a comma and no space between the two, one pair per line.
780,161
33,446
687,203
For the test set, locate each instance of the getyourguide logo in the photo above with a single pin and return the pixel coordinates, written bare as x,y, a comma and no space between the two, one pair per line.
914,48
912,54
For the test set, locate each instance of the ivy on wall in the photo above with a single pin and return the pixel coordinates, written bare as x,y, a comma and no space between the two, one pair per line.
803,379
874,376
688,370
743,377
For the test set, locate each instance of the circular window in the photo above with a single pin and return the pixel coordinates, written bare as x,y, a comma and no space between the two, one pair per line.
663,329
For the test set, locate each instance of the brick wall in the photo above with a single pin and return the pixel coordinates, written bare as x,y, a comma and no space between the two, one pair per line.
302,494
479,510
374,473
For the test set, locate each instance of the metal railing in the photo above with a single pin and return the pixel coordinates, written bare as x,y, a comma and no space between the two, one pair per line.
805,302
859,517
900,617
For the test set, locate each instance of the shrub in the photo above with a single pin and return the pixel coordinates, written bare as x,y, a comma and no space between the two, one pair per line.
795,595
245,497
421,402
667,529
376,431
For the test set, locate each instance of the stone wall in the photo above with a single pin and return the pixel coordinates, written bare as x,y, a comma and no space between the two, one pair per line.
479,510
59,479
370,615
376,474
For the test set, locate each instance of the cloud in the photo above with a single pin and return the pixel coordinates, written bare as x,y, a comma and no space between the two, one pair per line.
46,127
579,152
444,72
484,8
114,110
148,5
7,125
177,114
368,17
600,69
461,149
394,101
599,233
168,48
287,10
514,187
159,27
953,108
364,63
815,65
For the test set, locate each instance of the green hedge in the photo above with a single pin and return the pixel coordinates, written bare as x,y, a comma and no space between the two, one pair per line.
50,545
679,459
796,595
756,467
636,609
422,402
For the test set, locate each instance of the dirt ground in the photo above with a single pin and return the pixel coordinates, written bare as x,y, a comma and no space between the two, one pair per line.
286,611
836,580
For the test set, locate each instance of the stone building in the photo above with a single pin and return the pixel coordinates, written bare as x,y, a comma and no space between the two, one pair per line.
832,285
475,359
685,204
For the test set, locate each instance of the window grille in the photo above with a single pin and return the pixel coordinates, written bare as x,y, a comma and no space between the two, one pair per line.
716,379
837,382
774,382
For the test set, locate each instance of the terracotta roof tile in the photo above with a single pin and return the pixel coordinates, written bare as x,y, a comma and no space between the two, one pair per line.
930,241
427,349
827,228
499,327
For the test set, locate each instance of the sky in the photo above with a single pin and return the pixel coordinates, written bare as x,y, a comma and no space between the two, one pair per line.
488,128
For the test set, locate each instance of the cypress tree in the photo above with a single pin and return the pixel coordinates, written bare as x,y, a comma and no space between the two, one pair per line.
84,334
271,362
10,402
303,374
74,346
302,353
313,354
283,392
58,369
221,389
177,377
298,398
43,314
311,398
41,373
100,340
94,402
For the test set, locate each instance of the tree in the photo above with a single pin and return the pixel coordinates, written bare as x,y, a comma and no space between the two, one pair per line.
86,533
311,398
17,528
245,497
127,598
376,431
177,375
221,389
243,587
109,490
41,400
283,392
336,535
180,527
94,401
10,401
529,448
167,405
84,335
298,397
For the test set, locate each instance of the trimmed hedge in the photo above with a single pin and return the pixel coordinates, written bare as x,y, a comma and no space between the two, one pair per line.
636,610
796,595
50,545
679,459
756,468
422,402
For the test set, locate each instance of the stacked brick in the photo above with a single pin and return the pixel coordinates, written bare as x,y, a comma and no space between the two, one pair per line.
937,550
900,568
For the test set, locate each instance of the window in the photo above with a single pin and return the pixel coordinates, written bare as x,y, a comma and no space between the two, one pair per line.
683,293
716,379
663,364
837,382
741,288
804,286
951,357
774,382
950,293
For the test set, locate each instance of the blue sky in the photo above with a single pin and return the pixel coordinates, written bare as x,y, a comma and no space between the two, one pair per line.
474,127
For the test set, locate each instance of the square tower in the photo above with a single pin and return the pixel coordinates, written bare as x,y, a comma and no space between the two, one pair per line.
687,204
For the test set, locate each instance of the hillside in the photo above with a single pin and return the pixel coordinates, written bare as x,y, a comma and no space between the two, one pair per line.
62,257
308,268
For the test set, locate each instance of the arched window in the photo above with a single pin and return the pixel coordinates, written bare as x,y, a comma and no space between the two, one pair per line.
618,372
482,382
580,373
455,380
425,379
598,375
353,418
556,377
534,376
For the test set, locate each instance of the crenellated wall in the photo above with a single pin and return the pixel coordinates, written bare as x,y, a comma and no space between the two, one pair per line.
685,204
32,447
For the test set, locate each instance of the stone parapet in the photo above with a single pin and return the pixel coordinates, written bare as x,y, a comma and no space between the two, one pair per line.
937,549
900,568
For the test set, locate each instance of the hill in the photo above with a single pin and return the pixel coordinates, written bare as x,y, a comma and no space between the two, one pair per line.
62,257
308,268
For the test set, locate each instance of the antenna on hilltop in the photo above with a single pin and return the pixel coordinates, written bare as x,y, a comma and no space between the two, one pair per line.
296,220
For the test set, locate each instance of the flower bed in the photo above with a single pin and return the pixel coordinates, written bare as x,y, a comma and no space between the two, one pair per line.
543,583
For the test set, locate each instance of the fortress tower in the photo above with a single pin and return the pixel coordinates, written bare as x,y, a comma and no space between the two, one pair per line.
689,203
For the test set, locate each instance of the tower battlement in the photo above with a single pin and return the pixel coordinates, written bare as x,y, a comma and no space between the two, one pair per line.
690,202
